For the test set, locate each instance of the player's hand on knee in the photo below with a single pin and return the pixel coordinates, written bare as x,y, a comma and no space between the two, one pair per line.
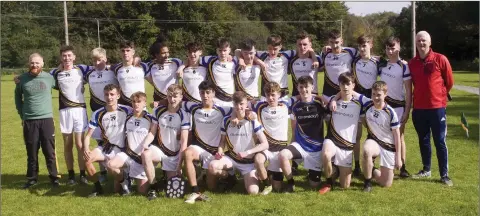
218,155
86,154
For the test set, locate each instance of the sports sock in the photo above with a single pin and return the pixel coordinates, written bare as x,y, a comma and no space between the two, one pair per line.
291,181
98,186
403,167
82,173
357,164
195,189
330,181
266,182
71,174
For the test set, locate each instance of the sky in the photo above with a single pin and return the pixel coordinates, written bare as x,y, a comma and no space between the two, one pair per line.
365,8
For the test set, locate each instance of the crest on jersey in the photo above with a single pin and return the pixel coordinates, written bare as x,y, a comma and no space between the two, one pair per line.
175,187
344,105
376,114
113,117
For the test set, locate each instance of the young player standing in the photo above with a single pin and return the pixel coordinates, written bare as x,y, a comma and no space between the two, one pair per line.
397,76
240,141
192,74
246,79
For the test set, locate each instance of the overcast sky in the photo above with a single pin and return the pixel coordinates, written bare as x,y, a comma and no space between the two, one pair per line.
365,8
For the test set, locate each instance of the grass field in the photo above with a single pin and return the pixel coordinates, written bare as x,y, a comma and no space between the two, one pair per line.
405,197
466,78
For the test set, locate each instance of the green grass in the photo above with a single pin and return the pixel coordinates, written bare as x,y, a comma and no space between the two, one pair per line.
466,78
411,197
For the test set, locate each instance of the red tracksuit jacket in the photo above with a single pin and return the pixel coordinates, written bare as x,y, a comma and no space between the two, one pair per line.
432,79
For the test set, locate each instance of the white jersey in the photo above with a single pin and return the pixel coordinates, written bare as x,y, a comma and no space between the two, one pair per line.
343,124
206,124
239,138
247,80
277,68
136,130
336,64
365,72
299,67
97,80
274,120
221,74
380,123
112,124
163,75
192,77
70,84
170,127
394,74
130,78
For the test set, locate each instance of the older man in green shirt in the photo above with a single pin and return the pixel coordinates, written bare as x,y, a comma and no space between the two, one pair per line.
33,100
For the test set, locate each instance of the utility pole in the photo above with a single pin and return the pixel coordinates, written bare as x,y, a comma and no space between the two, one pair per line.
341,28
65,21
98,32
413,30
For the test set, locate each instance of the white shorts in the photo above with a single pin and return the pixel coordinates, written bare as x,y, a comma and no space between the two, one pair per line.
135,170
108,157
169,163
311,160
73,119
387,158
205,156
273,161
399,111
242,168
342,157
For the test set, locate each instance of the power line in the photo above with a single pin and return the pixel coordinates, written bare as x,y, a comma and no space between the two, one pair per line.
172,21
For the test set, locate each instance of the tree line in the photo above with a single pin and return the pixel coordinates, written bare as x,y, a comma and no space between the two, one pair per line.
28,27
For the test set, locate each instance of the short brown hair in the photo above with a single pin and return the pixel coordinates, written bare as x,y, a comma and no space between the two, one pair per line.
334,34
380,86
127,44
138,96
391,41
223,43
274,40
345,78
193,47
174,88
271,87
304,80
302,35
364,39
66,48
239,96
111,87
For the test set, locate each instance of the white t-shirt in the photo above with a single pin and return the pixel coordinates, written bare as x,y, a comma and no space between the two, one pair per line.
299,67
97,80
206,123
394,74
112,124
137,130
163,75
365,71
343,123
170,127
240,138
192,77
70,84
274,120
221,74
247,80
336,64
380,123
277,68
130,78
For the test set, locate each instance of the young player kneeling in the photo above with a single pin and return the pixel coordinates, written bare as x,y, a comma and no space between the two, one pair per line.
240,143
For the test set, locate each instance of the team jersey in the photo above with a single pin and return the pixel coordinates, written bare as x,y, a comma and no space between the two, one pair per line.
239,138
221,74
336,64
131,79
70,84
299,67
247,80
274,121
112,125
136,130
380,123
163,75
309,124
365,73
277,70
192,77
170,126
394,74
206,124
343,124
97,80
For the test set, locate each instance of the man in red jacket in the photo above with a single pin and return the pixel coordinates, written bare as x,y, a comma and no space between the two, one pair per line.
432,80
